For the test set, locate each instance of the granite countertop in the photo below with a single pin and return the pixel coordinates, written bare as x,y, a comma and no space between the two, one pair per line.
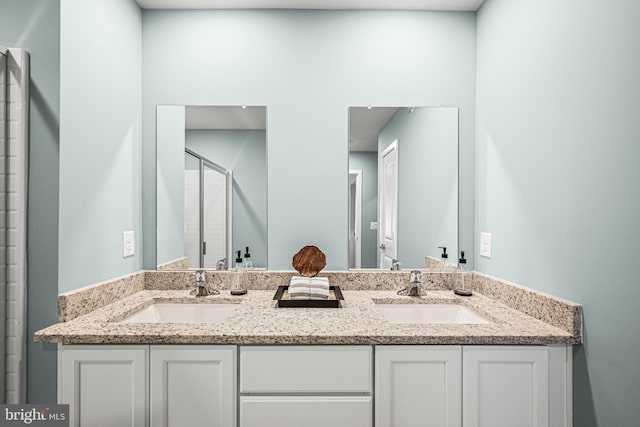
257,320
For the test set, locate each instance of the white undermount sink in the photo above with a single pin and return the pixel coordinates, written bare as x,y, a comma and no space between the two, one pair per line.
430,313
182,313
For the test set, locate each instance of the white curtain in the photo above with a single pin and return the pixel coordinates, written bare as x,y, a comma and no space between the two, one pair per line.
14,137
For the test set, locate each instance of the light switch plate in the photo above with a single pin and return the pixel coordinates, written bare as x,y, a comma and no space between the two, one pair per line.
485,244
128,244
373,226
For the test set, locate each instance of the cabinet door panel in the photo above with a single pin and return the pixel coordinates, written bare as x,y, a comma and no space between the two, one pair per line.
307,411
104,385
506,387
193,386
418,386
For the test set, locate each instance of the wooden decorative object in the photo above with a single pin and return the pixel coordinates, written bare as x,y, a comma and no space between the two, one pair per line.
309,261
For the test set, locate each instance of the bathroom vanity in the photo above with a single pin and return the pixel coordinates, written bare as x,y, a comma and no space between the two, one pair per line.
322,385
352,366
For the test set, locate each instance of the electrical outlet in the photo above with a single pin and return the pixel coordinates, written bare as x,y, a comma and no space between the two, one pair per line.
373,226
128,244
485,245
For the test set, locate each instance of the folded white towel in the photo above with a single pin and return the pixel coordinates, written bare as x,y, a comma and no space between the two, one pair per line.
309,282
307,298
319,293
300,292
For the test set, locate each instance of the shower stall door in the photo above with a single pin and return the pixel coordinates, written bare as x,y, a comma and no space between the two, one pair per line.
14,162
208,211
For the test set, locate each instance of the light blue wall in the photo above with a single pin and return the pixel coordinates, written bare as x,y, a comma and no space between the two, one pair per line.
245,153
35,26
100,134
427,182
558,135
307,67
368,163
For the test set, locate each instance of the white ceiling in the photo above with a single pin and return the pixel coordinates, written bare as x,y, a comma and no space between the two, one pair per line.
365,124
225,117
451,5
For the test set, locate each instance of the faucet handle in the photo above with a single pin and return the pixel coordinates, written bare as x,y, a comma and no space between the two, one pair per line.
413,288
201,288
200,276
415,276
221,264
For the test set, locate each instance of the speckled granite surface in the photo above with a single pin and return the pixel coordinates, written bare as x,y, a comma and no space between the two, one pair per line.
82,301
264,280
85,300
176,264
561,313
437,264
257,320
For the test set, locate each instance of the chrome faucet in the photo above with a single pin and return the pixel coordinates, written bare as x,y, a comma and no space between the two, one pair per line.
200,285
415,283
395,265
222,264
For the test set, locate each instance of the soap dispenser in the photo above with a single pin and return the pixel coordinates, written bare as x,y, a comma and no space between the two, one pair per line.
443,257
239,260
237,286
462,269
248,264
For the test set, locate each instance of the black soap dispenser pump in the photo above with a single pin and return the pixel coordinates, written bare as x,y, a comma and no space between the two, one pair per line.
462,268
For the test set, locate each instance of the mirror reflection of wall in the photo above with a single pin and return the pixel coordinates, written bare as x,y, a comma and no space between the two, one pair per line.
232,142
418,212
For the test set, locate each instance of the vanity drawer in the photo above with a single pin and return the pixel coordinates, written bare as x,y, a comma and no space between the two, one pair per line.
308,411
293,369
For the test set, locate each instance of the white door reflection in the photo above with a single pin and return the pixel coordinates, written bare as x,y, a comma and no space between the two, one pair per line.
389,206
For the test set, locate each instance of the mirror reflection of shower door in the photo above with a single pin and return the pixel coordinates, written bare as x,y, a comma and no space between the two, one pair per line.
192,209
355,218
208,214
215,211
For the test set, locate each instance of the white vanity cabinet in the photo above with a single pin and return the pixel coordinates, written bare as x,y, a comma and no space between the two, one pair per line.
473,386
524,386
104,385
142,385
311,386
316,385
418,385
193,385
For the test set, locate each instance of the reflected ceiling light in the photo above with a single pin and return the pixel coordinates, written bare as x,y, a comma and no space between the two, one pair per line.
244,107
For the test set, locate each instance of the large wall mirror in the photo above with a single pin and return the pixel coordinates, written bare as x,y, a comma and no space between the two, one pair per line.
211,185
403,185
